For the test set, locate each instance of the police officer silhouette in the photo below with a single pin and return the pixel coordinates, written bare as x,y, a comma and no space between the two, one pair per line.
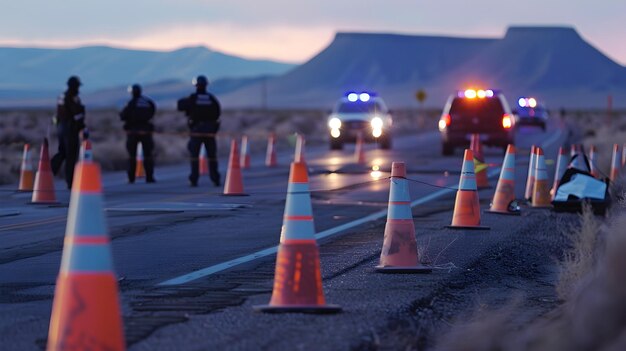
203,112
137,117
70,121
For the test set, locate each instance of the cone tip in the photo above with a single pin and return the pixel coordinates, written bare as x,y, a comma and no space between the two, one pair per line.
398,169
562,151
298,173
469,155
510,149
539,151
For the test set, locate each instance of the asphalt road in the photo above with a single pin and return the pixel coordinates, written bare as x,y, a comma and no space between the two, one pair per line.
191,262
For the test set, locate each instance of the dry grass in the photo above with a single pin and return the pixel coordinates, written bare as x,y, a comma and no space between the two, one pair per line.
593,315
579,260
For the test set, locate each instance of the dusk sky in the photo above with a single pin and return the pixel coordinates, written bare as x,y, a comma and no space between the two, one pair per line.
292,30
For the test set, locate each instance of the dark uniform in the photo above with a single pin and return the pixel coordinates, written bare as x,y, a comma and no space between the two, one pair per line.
137,117
70,121
203,112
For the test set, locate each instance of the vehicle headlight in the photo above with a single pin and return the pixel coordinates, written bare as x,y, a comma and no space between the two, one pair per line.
334,123
377,123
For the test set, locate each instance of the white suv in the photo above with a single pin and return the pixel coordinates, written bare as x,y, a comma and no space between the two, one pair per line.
360,113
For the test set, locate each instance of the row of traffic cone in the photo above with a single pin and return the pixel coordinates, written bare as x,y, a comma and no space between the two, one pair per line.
86,269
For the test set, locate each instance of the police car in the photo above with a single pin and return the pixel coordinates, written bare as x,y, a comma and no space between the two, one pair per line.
531,112
472,111
362,113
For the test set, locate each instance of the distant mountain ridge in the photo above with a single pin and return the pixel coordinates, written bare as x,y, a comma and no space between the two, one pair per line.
101,67
554,63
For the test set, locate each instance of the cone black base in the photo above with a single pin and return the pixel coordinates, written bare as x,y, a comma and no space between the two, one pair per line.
234,194
325,309
478,227
406,270
516,213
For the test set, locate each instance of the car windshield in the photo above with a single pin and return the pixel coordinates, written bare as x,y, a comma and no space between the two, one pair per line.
359,107
531,112
470,108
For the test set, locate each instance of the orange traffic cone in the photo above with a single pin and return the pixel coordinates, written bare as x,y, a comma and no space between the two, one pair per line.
139,170
504,198
592,162
270,156
203,161
359,152
561,166
615,163
234,182
479,162
86,152
298,279
86,309
299,153
541,189
399,253
530,180
466,206
27,175
43,192
245,153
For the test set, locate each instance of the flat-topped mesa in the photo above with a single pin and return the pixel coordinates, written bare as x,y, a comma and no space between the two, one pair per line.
541,32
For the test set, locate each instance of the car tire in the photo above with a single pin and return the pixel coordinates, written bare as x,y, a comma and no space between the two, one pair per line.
385,142
447,149
336,144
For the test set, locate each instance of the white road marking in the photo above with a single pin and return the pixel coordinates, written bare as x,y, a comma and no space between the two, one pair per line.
201,273
326,233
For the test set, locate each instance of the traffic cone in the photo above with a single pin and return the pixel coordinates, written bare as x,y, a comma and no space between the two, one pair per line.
27,175
234,182
86,309
299,153
204,161
399,253
139,170
541,189
245,153
561,166
466,206
573,150
479,162
298,279
592,162
504,198
530,180
43,192
86,152
578,159
270,156
615,163
359,152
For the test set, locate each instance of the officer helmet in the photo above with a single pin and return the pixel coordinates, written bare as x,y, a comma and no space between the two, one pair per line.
135,90
74,82
200,81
